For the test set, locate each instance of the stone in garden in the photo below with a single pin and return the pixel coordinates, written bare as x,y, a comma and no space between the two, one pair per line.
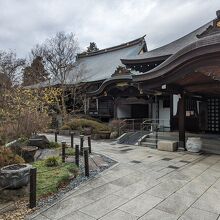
167,145
39,141
14,176
114,135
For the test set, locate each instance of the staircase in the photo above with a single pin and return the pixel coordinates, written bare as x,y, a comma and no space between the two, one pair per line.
132,138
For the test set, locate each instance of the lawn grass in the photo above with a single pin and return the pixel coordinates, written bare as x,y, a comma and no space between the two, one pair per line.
49,179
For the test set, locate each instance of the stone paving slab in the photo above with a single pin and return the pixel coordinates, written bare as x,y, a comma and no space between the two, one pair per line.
176,204
77,215
156,214
103,206
147,190
66,207
198,214
164,189
210,200
119,215
141,204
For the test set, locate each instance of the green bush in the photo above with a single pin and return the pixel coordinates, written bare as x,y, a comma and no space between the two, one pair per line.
53,145
51,162
70,151
80,124
7,157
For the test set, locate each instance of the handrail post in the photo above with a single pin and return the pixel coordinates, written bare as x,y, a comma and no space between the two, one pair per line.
55,134
33,188
77,155
81,144
86,161
89,144
72,139
63,151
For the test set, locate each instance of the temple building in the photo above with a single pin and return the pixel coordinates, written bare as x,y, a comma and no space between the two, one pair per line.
177,84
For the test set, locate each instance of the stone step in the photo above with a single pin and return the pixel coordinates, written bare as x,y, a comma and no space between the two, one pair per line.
148,144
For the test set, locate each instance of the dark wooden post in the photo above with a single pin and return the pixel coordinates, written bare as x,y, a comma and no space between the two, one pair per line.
33,188
181,120
89,144
63,151
77,155
81,144
55,136
72,139
171,112
86,161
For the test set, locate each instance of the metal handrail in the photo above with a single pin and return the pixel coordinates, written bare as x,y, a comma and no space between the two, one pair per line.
125,123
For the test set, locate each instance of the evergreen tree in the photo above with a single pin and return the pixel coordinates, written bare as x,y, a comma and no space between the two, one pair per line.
92,47
35,73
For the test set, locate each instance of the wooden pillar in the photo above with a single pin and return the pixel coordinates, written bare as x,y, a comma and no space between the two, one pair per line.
115,109
182,120
171,112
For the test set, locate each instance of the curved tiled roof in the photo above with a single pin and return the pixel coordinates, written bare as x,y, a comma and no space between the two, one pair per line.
209,44
171,48
102,64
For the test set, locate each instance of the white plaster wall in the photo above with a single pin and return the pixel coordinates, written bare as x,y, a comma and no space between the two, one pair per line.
123,111
164,115
175,104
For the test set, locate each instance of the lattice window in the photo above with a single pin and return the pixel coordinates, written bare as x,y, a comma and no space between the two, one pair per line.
213,114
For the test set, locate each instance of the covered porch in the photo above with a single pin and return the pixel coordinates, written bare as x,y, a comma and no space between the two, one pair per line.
191,78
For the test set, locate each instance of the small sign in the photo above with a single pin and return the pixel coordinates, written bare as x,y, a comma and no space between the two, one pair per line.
164,86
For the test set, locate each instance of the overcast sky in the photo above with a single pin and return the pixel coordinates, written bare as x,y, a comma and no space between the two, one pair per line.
24,23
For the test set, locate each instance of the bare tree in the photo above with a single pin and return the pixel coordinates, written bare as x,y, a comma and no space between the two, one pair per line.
10,68
59,54
10,71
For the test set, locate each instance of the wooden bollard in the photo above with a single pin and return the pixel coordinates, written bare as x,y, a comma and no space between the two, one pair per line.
55,134
89,144
86,161
72,139
81,144
63,151
77,155
33,188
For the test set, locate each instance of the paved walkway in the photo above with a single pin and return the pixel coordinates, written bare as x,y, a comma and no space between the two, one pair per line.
146,184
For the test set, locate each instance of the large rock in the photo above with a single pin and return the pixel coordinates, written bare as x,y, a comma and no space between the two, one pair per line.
39,141
165,145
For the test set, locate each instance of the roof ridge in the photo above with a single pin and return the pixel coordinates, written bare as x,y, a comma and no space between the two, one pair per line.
110,49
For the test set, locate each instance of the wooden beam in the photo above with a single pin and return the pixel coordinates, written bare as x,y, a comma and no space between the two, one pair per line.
182,119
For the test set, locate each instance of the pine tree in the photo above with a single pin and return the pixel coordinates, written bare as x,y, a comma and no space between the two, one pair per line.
92,47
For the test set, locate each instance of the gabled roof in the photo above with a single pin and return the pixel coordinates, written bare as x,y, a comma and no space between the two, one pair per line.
167,50
102,64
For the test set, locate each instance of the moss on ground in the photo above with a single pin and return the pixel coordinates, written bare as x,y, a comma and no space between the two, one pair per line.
49,179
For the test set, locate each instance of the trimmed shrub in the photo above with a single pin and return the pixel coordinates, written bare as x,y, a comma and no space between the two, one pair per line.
81,124
65,127
51,162
7,157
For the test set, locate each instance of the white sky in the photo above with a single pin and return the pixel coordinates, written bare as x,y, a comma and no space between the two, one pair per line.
24,23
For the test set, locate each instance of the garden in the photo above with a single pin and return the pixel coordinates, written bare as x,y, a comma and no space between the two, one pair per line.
24,116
